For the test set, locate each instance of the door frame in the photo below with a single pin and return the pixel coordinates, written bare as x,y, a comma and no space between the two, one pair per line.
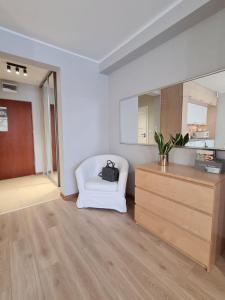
56,119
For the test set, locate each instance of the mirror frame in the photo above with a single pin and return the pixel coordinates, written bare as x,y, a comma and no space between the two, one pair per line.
159,88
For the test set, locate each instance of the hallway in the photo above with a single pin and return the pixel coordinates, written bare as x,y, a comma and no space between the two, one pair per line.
26,191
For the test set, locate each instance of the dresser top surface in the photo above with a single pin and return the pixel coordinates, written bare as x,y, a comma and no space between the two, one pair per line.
183,172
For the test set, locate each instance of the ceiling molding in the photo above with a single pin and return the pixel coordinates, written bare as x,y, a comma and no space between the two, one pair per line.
150,23
176,19
47,44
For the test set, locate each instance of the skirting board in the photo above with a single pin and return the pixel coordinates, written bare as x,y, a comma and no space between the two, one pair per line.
130,197
71,197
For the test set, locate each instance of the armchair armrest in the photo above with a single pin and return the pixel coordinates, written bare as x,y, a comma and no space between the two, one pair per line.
123,178
83,173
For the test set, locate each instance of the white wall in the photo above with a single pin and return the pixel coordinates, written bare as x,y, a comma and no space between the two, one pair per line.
200,50
83,111
30,93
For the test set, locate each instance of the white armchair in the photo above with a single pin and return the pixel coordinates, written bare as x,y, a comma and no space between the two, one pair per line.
96,192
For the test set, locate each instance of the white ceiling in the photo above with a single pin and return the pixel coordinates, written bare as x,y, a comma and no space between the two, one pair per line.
35,74
92,28
215,82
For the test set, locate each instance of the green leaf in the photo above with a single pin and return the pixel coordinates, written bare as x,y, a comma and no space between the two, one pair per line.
186,139
164,148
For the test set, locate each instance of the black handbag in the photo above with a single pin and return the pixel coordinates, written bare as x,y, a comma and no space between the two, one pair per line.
109,172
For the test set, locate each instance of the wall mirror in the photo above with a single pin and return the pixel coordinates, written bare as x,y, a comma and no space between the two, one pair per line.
196,107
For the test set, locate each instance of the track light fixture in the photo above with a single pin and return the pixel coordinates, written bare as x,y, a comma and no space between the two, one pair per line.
17,68
17,71
9,69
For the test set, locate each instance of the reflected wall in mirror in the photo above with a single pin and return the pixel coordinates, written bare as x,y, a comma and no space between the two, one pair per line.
140,118
196,107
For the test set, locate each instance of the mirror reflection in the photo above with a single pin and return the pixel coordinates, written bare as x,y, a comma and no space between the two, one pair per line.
50,127
195,107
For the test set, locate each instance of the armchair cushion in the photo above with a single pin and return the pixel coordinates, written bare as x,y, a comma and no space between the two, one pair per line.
98,184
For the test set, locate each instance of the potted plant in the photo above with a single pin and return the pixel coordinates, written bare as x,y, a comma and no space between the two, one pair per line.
165,147
179,139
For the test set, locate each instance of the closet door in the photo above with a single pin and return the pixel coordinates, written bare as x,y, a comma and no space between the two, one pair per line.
51,128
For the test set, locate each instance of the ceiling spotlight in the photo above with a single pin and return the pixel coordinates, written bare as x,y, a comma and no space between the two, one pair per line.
17,71
24,72
9,69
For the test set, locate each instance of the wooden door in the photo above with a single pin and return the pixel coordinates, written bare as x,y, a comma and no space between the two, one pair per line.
171,110
16,144
53,134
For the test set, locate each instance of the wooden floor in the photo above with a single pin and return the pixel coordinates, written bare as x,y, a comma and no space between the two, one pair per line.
21,192
55,251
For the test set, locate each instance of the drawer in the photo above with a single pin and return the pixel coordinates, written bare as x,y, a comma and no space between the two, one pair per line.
192,194
187,243
188,218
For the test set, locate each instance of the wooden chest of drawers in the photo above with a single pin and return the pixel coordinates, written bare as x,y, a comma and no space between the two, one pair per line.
184,207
